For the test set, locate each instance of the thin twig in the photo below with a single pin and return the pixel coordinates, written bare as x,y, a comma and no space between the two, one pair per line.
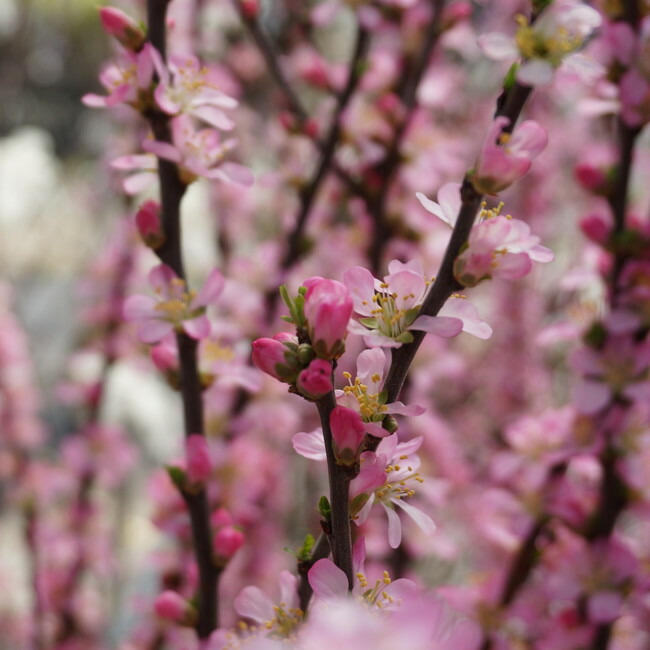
172,190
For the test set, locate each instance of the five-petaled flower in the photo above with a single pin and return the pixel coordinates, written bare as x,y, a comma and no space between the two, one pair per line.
174,308
553,39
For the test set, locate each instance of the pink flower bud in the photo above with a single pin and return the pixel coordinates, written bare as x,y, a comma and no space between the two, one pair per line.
328,307
596,227
250,8
199,465
171,606
591,178
315,380
147,221
277,356
165,357
220,517
227,541
348,432
126,30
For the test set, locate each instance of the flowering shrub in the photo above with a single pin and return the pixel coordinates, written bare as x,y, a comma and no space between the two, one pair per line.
500,477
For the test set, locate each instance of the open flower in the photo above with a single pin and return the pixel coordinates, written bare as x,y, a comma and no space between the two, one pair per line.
329,582
388,477
174,308
506,157
128,80
184,87
389,309
559,32
280,619
197,154
364,395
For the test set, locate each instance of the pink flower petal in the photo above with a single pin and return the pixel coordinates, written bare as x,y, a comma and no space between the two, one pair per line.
443,326
327,580
310,445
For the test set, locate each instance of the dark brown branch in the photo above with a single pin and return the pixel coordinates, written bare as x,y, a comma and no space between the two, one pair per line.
340,535
172,190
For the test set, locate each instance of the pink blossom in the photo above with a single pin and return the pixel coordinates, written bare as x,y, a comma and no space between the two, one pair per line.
128,81
364,395
174,308
126,30
389,477
316,380
329,582
197,154
173,607
282,617
556,35
199,465
227,541
499,247
389,309
148,223
327,308
277,356
184,87
348,432
505,158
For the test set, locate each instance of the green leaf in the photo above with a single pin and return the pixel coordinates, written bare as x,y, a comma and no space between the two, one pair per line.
325,509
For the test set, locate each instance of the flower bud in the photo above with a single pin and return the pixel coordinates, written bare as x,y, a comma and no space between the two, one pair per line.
147,221
250,8
348,432
171,606
277,356
122,27
227,541
315,380
165,358
221,517
199,465
597,228
327,309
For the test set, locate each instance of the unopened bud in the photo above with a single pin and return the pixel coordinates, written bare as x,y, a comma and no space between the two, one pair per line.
199,465
227,541
315,380
149,225
123,28
171,606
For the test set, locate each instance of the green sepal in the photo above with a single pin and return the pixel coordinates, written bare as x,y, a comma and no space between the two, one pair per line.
289,302
325,509
369,322
287,319
305,354
177,476
390,424
357,503
511,76
596,335
411,314
405,337
382,398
